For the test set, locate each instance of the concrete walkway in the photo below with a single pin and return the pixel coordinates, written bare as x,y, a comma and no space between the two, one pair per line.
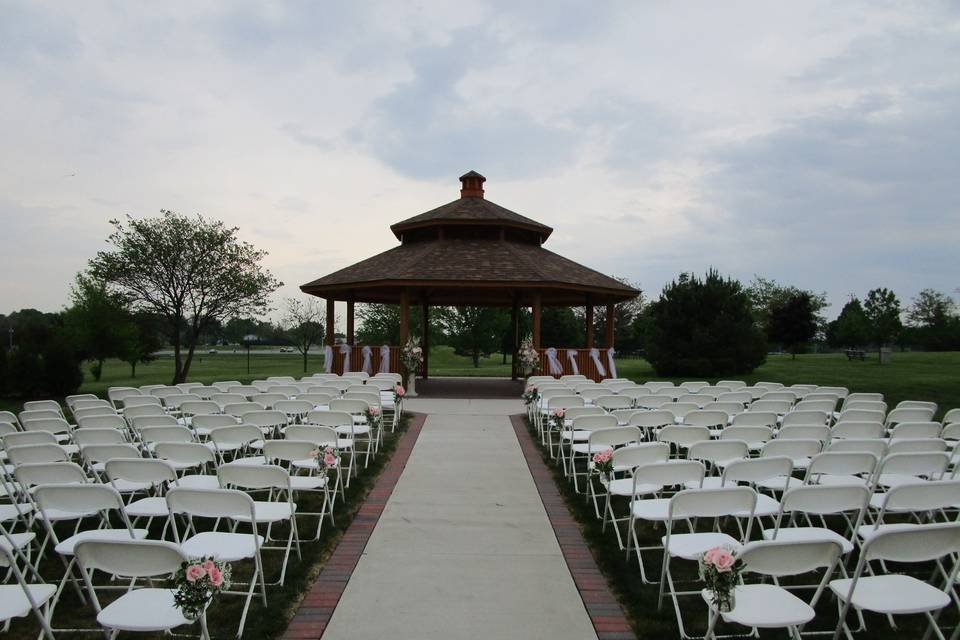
464,548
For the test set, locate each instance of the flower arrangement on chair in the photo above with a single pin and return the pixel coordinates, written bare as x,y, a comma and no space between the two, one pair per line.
373,416
720,571
530,395
603,463
398,393
528,354
328,459
558,418
196,584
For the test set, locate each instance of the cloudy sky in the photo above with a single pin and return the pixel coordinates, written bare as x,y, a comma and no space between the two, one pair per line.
816,143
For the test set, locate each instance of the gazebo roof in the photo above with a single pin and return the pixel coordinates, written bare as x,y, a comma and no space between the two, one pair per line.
470,252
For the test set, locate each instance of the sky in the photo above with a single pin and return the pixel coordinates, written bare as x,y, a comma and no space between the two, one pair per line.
815,143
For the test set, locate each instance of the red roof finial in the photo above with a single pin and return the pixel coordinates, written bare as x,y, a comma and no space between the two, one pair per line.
471,185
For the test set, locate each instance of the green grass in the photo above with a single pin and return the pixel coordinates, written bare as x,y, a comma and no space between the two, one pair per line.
224,614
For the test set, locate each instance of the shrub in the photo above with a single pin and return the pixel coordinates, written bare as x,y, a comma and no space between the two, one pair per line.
704,328
61,369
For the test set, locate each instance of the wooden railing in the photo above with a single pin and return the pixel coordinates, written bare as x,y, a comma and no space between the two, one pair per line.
356,360
585,364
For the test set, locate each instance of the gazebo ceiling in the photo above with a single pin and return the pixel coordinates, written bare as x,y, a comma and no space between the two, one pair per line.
470,252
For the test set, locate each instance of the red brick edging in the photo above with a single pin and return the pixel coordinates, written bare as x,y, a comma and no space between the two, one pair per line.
316,608
602,606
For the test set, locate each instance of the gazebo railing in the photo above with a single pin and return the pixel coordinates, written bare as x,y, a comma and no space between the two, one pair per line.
585,364
356,360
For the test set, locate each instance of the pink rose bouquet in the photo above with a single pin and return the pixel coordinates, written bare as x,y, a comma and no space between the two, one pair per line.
603,462
720,571
373,415
531,395
558,418
398,393
328,458
196,584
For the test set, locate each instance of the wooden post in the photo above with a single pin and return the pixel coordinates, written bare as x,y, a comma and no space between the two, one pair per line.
350,333
515,334
404,317
611,313
328,338
425,340
536,319
589,326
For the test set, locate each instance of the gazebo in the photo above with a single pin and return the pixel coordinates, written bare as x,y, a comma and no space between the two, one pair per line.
470,252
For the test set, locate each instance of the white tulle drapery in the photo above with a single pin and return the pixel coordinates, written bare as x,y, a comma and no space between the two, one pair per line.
610,364
384,359
572,357
556,368
345,350
595,356
367,360
328,359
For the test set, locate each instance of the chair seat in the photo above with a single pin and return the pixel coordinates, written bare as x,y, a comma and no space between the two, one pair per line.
14,603
766,506
199,481
808,534
841,480
891,480
577,436
307,482
66,547
651,509
267,512
356,429
142,610
251,461
779,484
129,486
765,606
13,511
20,540
228,547
152,507
690,546
584,447
894,594
624,487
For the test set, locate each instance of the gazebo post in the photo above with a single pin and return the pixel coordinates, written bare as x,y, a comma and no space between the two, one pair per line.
515,336
608,338
536,319
404,317
425,339
350,332
328,338
589,327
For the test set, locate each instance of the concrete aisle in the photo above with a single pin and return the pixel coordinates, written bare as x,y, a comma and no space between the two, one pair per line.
464,548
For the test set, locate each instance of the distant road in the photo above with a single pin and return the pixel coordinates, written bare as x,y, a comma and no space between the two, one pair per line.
241,351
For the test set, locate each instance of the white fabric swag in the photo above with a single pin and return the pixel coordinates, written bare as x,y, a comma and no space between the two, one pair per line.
572,357
556,368
367,360
345,350
384,359
610,364
328,359
595,356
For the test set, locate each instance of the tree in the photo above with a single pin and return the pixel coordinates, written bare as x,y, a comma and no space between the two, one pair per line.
882,310
148,339
99,322
704,328
380,324
475,331
934,322
304,322
792,322
188,270
624,315
766,293
851,328
560,327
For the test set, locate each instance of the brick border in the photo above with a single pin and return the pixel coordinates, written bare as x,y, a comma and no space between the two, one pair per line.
606,614
316,608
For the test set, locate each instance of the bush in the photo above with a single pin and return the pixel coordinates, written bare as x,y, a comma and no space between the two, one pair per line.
704,328
61,369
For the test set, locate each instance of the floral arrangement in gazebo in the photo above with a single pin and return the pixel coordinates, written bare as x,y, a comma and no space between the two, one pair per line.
412,355
528,355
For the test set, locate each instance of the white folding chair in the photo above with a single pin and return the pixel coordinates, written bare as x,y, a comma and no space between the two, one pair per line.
297,455
809,501
23,597
624,461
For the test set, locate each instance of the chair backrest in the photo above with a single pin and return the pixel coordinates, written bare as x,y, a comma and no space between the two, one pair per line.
653,418
639,454
769,386
575,412
103,452
593,393
910,445
70,400
205,392
284,389
929,464
951,431
732,384
86,437
267,400
655,385
823,499
805,417
918,404
27,438
654,401
241,409
803,432
140,470
705,418
857,429
853,397
31,453
786,396
91,412
130,558
288,450
90,404
132,413
317,435
266,418
43,405
747,433
730,408
781,558
693,386
713,503
907,414
240,434
248,476
840,392
315,398
199,408
102,422
841,463
329,419
224,386
33,474
153,421
951,416
699,399
613,402
212,503
120,394
192,453
756,418
174,402
866,405
78,499
718,450
166,434
53,425
245,390
612,438
224,399
920,497
635,392
671,473
354,407
861,415
593,422
916,430
188,387
683,436
779,407
916,544
793,449
869,445
372,398
754,470
294,407
740,397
